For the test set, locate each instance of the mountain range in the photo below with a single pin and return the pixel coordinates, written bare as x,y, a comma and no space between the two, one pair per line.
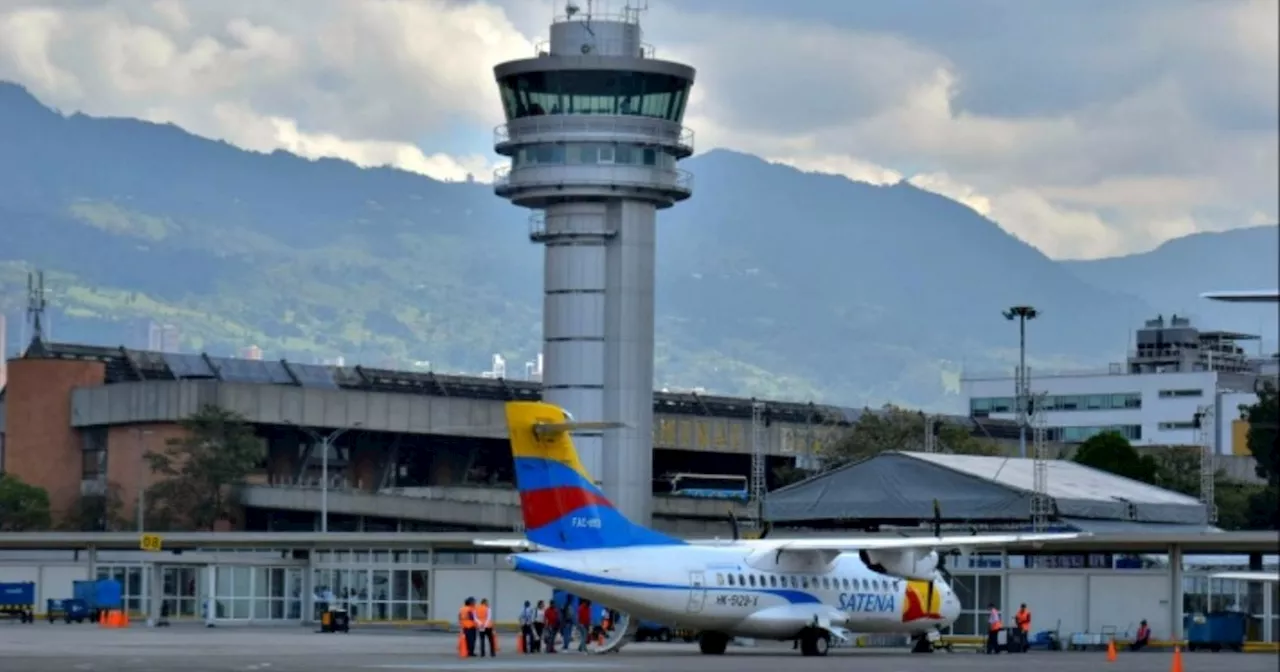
772,281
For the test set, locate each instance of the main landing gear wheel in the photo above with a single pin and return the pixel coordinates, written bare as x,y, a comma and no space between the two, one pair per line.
713,643
814,643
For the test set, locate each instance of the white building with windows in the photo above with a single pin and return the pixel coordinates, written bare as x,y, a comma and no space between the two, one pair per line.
1152,399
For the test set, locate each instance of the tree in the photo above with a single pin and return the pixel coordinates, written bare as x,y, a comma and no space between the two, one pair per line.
1264,420
1112,453
23,507
199,470
788,475
894,428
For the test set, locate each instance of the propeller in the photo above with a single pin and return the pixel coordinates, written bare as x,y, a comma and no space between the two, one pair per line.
942,555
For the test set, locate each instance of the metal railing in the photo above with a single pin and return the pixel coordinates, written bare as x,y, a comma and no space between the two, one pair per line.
627,15
681,180
612,124
598,47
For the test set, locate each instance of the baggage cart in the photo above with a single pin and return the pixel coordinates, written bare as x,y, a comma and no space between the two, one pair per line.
18,600
69,610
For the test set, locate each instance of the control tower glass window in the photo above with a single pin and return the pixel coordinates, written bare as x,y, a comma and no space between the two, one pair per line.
594,153
639,94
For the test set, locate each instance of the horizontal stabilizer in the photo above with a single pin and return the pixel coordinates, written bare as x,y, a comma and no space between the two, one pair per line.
545,429
513,544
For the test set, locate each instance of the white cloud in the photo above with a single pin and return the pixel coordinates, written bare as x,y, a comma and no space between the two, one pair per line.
1097,128
364,81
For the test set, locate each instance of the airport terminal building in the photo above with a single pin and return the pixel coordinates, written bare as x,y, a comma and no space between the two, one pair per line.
413,451
419,475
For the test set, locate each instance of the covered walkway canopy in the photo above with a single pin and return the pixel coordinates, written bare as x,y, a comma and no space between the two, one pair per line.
899,488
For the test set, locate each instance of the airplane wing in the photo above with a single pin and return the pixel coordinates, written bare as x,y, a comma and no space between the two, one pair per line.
890,543
1247,576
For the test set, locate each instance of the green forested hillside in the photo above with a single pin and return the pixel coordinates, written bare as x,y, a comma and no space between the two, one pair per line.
772,282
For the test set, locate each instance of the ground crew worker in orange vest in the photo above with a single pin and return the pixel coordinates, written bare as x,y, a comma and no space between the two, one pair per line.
994,625
485,627
1023,620
467,622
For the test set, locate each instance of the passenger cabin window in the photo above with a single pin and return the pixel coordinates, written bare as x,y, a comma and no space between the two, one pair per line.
752,580
730,577
773,581
719,579
594,92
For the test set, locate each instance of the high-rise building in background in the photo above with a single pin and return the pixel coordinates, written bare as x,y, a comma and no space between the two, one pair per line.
594,133
252,352
162,337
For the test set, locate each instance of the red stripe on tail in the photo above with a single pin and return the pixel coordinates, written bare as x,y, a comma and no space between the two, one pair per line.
542,507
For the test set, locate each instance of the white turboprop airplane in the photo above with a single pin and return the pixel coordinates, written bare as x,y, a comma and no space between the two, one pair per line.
1248,576
811,590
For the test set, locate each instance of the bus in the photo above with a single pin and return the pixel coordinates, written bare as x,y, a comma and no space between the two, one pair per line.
706,486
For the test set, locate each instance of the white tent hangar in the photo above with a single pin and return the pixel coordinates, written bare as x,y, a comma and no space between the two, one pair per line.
900,488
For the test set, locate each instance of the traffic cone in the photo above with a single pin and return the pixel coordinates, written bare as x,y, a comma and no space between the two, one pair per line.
462,644
520,643
1111,651
1177,660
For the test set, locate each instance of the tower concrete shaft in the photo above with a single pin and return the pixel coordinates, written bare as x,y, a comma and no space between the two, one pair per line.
594,133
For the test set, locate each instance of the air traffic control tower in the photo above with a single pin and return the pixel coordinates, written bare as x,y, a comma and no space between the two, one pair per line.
593,131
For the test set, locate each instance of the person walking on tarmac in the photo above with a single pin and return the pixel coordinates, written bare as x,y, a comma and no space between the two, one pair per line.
526,628
994,626
584,623
552,626
467,622
484,626
1022,619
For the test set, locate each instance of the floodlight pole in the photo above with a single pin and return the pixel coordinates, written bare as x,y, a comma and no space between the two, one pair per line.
325,442
1022,382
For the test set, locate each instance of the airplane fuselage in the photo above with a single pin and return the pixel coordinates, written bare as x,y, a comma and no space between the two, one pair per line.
717,588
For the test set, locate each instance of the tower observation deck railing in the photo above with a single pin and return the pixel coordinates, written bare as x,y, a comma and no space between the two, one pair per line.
614,126
603,47
681,180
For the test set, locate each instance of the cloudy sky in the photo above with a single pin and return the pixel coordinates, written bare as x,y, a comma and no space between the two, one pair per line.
1086,127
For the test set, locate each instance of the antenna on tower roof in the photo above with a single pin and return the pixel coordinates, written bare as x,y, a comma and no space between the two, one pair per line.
35,309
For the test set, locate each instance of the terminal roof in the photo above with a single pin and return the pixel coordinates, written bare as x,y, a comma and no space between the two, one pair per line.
896,487
128,365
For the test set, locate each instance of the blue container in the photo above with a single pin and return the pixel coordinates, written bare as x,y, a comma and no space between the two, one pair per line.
100,594
17,595
69,610
18,600
1216,631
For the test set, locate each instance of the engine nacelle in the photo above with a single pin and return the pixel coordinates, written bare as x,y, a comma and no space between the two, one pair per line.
907,563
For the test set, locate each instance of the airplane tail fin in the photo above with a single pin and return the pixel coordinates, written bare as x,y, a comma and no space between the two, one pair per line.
563,508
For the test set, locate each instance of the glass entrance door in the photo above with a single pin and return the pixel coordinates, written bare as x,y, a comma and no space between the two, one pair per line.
181,591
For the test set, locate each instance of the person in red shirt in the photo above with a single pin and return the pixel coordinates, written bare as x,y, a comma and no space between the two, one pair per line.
584,623
552,627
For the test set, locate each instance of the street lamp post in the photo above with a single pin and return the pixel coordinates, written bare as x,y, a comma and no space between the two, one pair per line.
325,442
1022,381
